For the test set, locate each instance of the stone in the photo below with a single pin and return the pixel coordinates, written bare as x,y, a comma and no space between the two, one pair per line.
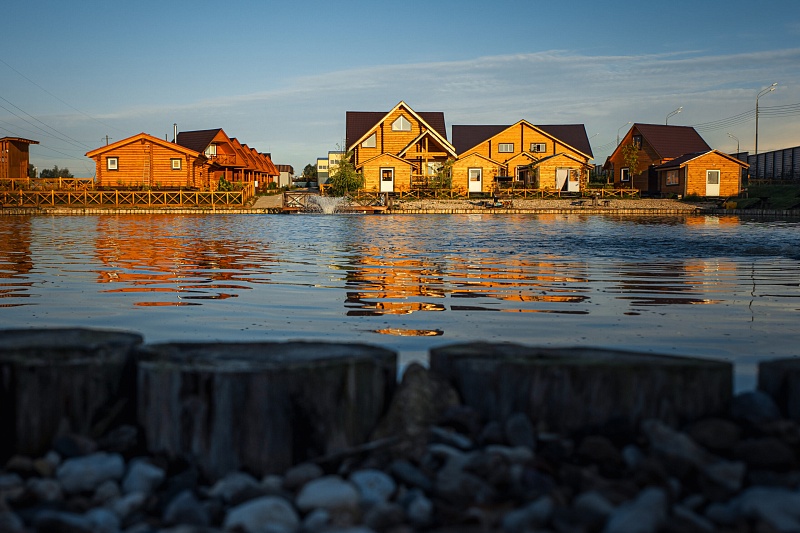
754,407
251,516
103,520
142,476
534,515
329,492
599,450
778,507
123,439
185,508
410,475
519,431
10,522
685,519
374,486
316,520
45,489
645,514
299,475
63,522
236,488
84,474
106,491
593,503
767,453
450,438
384,515
128,504
419,509
715,434
70,445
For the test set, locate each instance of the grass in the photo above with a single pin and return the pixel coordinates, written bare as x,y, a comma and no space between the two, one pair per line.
771,197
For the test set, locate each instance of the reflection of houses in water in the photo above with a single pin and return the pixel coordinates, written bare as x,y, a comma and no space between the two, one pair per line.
670,283
15,261
399,286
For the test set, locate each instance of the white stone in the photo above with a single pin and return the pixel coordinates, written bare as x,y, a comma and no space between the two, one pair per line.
373,485
329,492
83,474
142,476
252,516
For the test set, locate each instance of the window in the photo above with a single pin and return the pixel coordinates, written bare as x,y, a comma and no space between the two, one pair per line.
371,141
505,148
112,163
624,174
433,168
538,148
637,140
176,163
211,151
672,177
401,124
475,174
712,177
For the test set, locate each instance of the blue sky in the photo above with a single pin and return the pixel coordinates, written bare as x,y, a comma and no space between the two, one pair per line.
280,76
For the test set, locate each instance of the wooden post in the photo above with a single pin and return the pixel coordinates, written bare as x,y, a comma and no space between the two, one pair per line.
574,389
260,406
61,379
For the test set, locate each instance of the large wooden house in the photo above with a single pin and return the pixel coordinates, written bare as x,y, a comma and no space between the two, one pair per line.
656,144
710,173
554,157
398,150
228,158
14,157
149,162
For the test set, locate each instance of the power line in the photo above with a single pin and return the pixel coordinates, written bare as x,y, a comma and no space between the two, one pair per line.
66,138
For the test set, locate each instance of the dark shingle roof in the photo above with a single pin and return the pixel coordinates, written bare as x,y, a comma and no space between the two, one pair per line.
197,140
672,141
360,122
678,161
466,137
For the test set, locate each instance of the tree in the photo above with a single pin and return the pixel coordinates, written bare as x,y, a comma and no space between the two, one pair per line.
443,179
345,178
56,172
310,172
630,158
31,170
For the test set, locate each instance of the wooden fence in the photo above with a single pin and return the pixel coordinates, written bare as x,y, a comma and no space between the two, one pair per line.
47,184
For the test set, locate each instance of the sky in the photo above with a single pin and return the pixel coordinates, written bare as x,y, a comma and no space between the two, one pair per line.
280,76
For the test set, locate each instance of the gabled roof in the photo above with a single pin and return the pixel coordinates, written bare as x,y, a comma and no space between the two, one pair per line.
18,140
686,158
197,140
573,135
670,141
399,159
428,133
553,156
360,123
144,136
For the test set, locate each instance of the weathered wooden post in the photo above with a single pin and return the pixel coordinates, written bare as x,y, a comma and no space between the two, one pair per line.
55,380
260,406
574,389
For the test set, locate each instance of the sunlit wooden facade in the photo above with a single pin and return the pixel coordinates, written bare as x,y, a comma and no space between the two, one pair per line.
144,161
710,173
14,157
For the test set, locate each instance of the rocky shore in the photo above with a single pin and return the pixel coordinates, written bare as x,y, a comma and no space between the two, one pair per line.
539,204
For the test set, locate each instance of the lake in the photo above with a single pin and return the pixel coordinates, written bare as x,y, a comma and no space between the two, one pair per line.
718,287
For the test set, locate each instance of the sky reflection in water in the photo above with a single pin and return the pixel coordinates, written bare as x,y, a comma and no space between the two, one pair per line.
696,285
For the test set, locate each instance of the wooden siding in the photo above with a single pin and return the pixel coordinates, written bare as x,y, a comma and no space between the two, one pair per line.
14,159
372,172
489,170
729,175
647,158
547,171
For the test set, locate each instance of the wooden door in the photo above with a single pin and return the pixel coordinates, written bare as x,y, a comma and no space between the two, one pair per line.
712,182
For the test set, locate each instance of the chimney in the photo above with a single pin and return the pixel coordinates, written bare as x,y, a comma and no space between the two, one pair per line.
175,132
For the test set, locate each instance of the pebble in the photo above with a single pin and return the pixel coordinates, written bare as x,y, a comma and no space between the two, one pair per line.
251,516
83,474
142,476
373,485
329,492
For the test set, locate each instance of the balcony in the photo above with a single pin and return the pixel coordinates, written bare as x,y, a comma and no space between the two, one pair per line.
224,160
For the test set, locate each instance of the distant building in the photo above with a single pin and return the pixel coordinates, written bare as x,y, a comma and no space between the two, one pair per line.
322,170
14,157
774,165
285,176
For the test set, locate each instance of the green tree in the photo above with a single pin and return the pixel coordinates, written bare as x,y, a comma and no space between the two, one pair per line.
56,172
630,158
31,170
345,179
310,172
443,179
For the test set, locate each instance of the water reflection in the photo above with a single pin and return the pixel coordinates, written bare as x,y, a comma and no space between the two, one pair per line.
15,262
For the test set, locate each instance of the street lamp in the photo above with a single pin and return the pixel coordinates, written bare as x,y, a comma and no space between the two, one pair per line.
629,122
732,136
672,114
759,95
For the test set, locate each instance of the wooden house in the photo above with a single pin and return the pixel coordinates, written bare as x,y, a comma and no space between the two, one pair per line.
228,158
14,157
657,144
397,150
552,157
146,161
710,173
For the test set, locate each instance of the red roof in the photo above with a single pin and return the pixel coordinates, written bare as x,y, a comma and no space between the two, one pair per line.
671,141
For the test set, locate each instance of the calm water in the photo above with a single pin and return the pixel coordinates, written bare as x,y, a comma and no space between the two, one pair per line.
719,287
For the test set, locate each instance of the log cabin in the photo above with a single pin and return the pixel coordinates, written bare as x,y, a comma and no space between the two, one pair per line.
711,173
554,157
229,159
657,144
14,157
144,161
398,150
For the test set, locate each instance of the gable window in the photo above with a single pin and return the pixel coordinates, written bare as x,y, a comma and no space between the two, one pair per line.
625,174
112,163
401,124
175,163
505,148
637,140
672,177
211,151
538,148
370,142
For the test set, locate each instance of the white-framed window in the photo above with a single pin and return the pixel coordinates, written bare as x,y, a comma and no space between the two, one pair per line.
625,174
371,141
538,148
672,177
433,168
175,163
211,151
712,177
401,124
475,174
505,148
112,163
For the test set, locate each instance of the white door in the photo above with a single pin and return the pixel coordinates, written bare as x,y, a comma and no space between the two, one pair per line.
562,175
712,182
475,178
387,180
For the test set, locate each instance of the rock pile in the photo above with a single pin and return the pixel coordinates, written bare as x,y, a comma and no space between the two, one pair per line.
443,469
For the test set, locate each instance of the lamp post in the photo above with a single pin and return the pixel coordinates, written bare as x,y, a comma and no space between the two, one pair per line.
672,114
629,122
732,136
759,95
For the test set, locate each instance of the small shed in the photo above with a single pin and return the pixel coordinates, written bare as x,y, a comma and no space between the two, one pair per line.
14,157
709,173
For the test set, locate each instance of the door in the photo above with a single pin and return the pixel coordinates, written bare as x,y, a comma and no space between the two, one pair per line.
562,175
387,180
475,179
712,182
